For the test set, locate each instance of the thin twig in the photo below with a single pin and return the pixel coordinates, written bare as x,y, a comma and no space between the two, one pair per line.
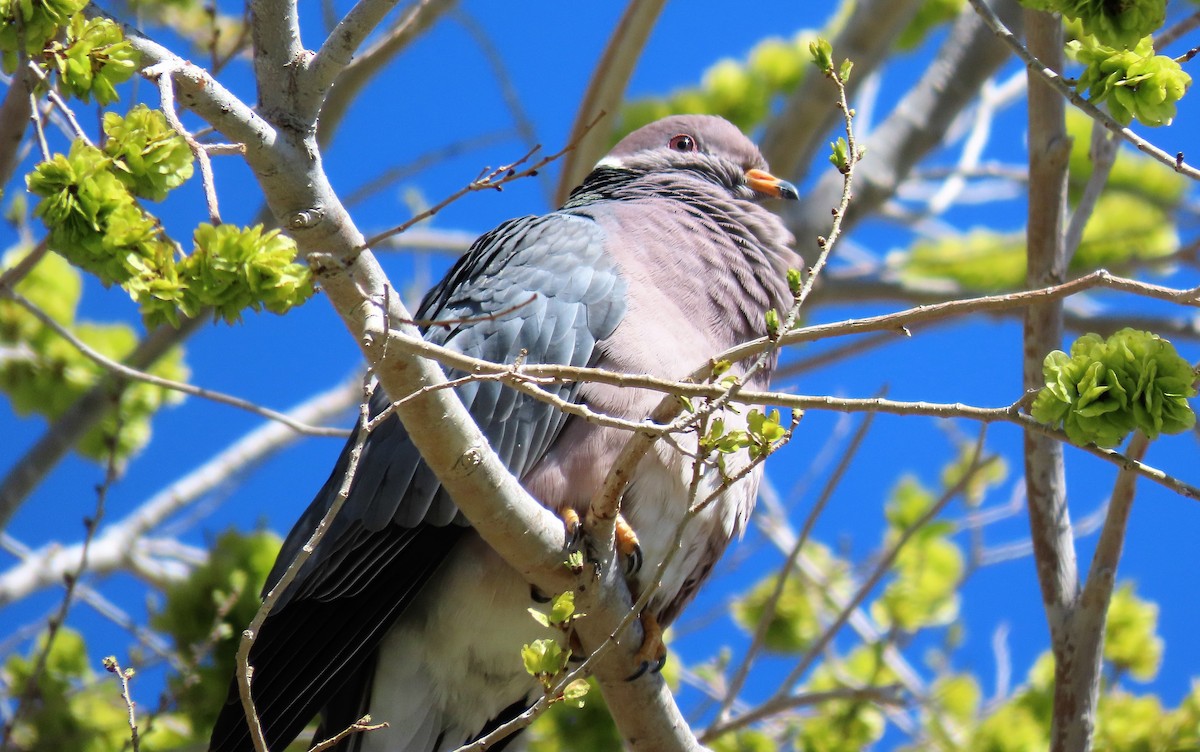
768,613
1055,80
135,375
162,74
361,725
53,625
488,179
123,676
245,671
1103,153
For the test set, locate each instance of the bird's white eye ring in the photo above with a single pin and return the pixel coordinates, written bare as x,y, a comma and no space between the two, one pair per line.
682,142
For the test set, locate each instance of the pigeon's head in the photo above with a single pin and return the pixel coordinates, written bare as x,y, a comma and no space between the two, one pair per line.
703,147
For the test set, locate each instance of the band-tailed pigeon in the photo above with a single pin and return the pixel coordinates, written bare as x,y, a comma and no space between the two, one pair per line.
660,260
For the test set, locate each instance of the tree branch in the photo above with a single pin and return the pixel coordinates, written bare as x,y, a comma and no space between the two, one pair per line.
968,57
122,542
794,133
605,93
1053,79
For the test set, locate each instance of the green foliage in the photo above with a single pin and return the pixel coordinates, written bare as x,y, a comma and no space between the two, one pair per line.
1119,24
94,220
544,658
1135,83
1132,172
38,21
931,14
232,269
206,613
990,472
1106,388
1128,723
848,725
89,208
923,590
796,622
149,157
566,727
1131,643
740,91
979,260
95,58
50,374
822,55
71,710
744,740
1124,228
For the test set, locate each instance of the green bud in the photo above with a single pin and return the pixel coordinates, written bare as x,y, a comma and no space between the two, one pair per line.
822,54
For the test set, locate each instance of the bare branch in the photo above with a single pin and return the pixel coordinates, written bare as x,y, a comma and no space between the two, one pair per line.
606,91
123,543
768,613
358,73
161,73
1056,82
337,51
279,58
969,56
15,112
796,131
1103,153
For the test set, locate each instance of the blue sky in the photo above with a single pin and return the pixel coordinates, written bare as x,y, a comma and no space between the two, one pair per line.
443,91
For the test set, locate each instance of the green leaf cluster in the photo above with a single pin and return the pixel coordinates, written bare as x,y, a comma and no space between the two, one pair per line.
47,374
1131,641
205,614
567,726
741,91
95,221
34,21
234,268
148,156
89,203
73,708
1133,174
1125,722
1106,388
1135,83
95,58
1120,24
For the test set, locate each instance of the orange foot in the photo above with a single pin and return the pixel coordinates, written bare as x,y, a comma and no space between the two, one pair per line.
652,655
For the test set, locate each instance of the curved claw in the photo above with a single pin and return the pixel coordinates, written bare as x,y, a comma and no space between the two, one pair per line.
574,527
537,595
645,665
633,560
629,547
652,655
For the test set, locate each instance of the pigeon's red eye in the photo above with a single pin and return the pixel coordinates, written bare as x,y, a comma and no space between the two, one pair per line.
682,142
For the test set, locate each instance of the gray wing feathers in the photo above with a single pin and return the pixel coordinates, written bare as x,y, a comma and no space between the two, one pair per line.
543,286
